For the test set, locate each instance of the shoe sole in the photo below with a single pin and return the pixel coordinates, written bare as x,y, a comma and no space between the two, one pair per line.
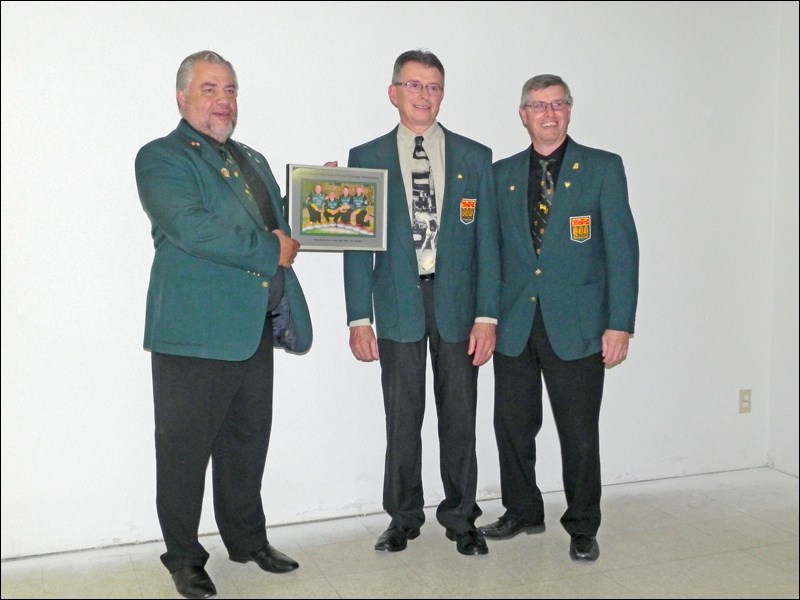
531,530
476,553
584,557
590,557
285,569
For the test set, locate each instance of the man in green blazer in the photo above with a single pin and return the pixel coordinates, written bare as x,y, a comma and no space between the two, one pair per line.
222,293
434,288
570,269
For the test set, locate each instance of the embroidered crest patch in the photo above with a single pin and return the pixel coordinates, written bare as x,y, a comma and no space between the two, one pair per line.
580,228
468,210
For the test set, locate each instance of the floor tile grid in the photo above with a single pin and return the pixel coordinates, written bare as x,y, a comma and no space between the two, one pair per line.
724,535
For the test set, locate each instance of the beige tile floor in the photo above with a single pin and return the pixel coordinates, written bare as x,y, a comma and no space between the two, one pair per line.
718,535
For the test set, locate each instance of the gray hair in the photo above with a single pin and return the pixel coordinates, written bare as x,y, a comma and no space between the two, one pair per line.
540,82
184,77
424,57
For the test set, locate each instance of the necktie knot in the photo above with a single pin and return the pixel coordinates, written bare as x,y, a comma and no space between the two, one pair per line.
419,151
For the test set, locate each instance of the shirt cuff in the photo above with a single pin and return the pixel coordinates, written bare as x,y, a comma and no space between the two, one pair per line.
359,322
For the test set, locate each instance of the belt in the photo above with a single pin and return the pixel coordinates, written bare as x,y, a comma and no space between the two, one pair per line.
427,277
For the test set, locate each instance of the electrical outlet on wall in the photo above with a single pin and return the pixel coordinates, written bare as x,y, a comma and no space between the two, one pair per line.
744,400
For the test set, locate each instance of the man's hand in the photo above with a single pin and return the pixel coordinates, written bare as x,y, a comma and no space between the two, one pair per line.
363,343
482,340
615,346
289,248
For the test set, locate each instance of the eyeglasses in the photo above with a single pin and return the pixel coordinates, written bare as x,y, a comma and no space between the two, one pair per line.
540,107
415,87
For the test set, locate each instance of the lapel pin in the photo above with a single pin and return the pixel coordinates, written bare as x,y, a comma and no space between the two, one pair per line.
512,187
576,166
567,184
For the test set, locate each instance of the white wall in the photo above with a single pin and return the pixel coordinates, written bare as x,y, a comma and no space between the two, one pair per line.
783,412
699,98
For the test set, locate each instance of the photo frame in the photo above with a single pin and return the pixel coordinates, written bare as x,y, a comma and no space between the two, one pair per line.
337,208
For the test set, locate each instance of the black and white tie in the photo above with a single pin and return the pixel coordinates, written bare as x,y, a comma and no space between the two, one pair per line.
424,225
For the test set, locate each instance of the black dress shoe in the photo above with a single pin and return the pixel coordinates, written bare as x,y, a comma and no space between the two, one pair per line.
193,582
469,542
269,559
395,539
583,547
507,527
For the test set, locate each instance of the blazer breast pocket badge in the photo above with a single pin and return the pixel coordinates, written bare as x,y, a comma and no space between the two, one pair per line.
468,210
580,228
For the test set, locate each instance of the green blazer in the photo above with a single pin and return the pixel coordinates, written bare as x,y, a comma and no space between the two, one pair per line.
214,258
586,278
467,255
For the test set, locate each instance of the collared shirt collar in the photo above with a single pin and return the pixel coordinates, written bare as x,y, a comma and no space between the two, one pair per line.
434,133
557,154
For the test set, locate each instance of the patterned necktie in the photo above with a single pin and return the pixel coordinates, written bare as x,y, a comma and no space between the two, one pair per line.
541,211
424,224
231,169
242,176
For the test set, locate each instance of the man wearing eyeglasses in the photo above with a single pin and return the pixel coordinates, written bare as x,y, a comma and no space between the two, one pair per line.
570,270
435,288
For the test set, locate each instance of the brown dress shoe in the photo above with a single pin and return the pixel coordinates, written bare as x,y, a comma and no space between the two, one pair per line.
193,582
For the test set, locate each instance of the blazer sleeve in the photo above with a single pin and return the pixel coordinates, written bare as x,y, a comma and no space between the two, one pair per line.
621,246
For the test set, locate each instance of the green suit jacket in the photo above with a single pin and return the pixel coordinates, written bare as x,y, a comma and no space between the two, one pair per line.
467,258
214,258
586,278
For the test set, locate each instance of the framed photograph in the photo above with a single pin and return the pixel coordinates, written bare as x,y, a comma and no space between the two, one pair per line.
337,208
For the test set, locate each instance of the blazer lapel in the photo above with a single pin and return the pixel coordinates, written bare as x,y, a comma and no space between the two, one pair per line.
262,170
397,212
210,153
450,203
516,192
